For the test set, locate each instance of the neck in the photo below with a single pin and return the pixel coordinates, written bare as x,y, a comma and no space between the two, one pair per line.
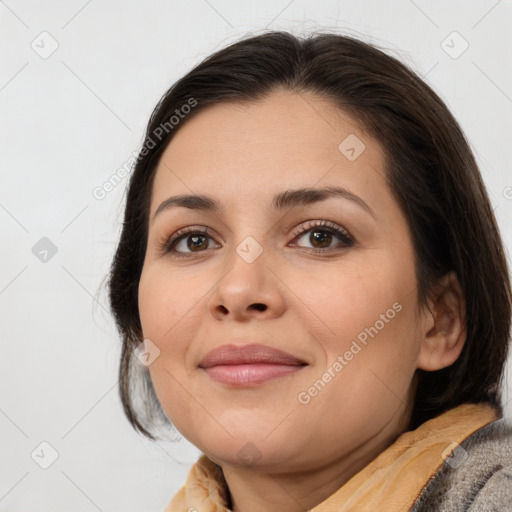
264,490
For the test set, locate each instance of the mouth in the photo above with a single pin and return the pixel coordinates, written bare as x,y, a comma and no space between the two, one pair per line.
247,365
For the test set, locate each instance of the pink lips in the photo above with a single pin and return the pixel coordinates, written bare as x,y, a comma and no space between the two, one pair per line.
245,365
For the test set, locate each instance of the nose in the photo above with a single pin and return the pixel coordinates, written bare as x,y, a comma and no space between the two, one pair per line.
247,290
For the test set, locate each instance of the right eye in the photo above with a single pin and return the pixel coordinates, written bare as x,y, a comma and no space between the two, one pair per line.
192,238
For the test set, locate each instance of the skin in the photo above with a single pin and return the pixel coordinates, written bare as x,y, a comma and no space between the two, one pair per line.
315,304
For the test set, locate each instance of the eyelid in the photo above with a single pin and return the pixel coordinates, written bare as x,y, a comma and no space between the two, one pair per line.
319,223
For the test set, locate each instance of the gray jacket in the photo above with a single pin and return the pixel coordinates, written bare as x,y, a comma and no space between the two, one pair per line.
477,478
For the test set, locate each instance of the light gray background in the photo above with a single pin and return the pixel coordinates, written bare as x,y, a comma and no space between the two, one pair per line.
72,119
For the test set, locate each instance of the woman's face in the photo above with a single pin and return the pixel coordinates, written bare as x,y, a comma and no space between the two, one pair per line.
276,273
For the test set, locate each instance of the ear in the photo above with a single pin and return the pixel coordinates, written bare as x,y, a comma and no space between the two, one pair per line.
445,331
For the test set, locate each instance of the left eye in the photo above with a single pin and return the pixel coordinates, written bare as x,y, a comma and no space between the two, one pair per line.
321,235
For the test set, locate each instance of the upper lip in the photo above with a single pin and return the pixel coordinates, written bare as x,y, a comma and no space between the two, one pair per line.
248,354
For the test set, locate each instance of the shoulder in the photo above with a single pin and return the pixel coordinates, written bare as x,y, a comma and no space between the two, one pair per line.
477,478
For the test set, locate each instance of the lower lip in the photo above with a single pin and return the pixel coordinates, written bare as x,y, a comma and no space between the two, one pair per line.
247,374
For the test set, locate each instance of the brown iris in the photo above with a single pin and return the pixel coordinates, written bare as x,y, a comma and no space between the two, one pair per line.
197,242
320,237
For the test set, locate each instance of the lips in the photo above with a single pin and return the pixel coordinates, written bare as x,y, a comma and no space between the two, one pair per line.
248,354
246,365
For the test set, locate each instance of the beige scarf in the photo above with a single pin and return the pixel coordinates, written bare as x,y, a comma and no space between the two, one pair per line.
392,481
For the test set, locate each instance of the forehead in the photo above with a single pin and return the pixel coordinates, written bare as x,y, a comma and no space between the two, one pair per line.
250,151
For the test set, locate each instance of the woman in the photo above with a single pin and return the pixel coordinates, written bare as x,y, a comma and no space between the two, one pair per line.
311,287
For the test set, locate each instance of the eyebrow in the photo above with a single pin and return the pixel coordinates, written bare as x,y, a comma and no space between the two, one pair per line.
285,199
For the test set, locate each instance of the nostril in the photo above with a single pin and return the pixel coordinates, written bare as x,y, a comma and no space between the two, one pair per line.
259,306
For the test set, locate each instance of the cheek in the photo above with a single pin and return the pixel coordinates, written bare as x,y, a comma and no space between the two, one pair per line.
166,300
365,314
373,369
171,308
166,321
345,299
154,307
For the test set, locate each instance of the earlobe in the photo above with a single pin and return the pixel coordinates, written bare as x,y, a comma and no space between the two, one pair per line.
444,339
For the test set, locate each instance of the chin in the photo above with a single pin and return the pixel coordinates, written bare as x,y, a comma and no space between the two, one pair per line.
241,451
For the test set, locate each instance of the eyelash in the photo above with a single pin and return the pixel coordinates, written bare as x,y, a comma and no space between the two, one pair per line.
326,226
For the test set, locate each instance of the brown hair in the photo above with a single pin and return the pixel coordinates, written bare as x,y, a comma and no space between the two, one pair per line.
429,168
